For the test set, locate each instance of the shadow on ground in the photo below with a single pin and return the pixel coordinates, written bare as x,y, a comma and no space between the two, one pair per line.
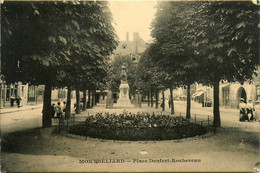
48,141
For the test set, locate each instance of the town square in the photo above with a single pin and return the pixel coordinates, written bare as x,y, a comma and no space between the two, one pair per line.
136,86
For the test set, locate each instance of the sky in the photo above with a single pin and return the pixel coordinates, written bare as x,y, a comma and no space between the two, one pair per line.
133,16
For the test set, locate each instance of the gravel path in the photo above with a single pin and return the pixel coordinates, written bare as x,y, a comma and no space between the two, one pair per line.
234,148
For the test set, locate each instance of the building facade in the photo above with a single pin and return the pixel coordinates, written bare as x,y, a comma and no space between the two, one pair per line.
133,48
230,93
13,91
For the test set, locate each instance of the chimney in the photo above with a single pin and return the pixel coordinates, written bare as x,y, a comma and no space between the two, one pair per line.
127,36
135,40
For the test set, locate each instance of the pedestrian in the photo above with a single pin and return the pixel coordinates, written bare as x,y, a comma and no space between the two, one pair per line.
18,101
250,109
12,100
59,110
64,106
169,103
242,108
257,110
53,110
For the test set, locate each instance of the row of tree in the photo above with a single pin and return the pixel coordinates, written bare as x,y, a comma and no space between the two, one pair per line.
57,44
203,42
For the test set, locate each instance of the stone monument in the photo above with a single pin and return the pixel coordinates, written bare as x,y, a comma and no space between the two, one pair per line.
123,99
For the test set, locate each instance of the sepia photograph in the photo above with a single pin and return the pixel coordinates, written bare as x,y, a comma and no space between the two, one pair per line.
130,86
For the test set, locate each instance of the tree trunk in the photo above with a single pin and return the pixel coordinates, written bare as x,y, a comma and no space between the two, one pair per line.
84,100
68,104
148,97
142,98
78,110
156,99
89,101
188,103
151,97
171,101
216,121
93,98
163,101
46,113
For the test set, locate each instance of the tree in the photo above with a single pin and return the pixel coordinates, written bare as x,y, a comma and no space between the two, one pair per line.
69,46
151,75
115,68
194,35
171,32
226,38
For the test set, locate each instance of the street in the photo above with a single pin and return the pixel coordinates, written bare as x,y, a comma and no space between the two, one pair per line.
236,143
20,120
115,58
32,118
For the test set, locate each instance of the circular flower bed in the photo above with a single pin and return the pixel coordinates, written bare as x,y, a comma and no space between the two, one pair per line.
134,127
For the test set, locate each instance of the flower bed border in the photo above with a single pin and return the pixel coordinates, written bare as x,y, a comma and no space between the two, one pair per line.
107,127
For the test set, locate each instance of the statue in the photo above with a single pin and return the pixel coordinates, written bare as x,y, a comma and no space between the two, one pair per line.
123,74
123,99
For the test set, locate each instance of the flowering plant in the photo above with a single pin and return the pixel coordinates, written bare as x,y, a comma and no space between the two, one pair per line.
140,126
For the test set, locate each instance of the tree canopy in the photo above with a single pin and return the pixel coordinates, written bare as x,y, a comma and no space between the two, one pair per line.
57,44
206,42
115,67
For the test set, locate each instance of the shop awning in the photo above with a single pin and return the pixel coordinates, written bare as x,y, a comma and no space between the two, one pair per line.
197,94
225,85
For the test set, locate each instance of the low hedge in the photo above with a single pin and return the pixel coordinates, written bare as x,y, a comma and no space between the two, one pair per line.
136,127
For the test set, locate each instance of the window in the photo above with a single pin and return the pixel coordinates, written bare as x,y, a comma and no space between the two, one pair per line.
22,91
12,91
226,93
7,98
15,90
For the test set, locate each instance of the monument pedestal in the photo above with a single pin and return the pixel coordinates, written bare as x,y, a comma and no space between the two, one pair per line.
123,100
124,95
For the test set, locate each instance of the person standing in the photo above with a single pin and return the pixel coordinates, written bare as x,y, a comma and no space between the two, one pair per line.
250,110
242,108
12,100
257,110
64,107
59,110
18,101
53,110
162,103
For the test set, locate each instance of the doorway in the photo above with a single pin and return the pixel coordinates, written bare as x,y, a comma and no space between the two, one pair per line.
241,93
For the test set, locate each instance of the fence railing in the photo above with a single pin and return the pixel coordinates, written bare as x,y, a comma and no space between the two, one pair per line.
203,120
64,124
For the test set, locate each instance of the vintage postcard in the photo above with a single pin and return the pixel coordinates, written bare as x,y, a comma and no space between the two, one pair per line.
130,86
